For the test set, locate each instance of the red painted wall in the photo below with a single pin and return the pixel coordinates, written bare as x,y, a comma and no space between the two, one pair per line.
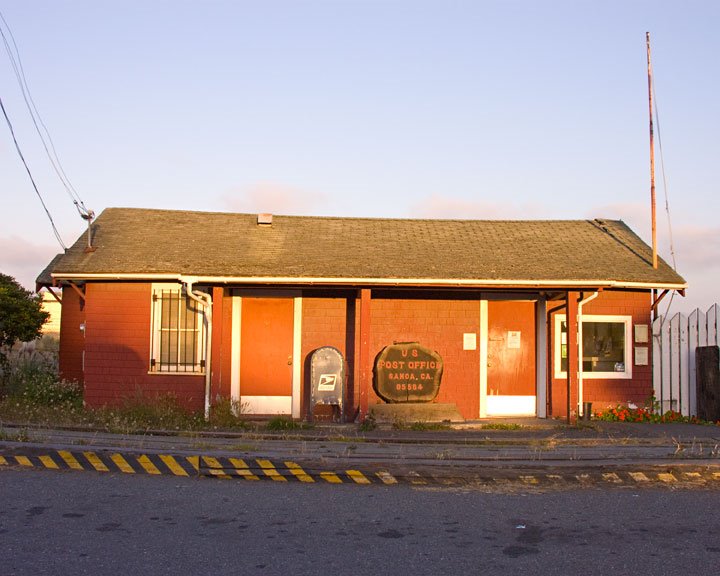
324,322
117,350
438,325
72,338
117,346
221,344
604,393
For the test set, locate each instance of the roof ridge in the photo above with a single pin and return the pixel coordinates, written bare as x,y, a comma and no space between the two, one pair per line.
360,218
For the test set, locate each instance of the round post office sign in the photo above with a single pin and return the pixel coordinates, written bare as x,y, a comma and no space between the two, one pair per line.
407,372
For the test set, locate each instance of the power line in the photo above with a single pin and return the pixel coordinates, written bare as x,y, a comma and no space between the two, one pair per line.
50,151
665,185
17,147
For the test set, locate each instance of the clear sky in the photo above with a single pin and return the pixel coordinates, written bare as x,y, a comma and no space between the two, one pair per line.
391,108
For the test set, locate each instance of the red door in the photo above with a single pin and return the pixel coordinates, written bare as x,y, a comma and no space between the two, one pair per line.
511,358
266,347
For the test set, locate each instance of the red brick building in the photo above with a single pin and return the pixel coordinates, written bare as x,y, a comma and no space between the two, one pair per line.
208,305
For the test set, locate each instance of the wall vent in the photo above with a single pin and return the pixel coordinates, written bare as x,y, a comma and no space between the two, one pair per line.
264,219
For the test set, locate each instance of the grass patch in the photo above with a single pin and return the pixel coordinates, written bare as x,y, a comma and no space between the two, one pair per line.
420,426
501,426
369,423
282,424
429,426
20,435
32,393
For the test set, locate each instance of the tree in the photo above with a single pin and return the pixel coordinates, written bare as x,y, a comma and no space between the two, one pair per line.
21,315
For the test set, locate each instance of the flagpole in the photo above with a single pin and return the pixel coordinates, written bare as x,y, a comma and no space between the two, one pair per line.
652,156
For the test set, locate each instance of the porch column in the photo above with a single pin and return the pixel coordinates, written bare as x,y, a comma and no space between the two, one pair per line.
572,351
218,385
541,357
364,352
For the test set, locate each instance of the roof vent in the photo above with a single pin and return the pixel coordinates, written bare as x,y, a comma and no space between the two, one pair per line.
264,219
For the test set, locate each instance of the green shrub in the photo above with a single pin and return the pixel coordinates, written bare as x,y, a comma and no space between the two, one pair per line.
369,423
281,423
160,412
226,413
501,426
36,383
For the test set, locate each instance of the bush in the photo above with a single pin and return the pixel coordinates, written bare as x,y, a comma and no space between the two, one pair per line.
35,382
21,316
161,412
226,413
369,423
627,414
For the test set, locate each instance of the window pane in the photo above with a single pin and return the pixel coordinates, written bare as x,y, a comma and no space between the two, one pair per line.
179,333
603,347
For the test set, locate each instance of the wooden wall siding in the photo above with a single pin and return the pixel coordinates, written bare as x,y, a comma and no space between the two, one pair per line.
221,344
606,393
117,350
72,338
674,340
324,322
439,325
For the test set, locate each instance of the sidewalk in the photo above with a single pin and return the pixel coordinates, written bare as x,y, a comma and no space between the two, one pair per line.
536,443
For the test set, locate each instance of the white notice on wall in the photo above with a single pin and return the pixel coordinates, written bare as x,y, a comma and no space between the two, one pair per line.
513,339
641,333
470,341
641,356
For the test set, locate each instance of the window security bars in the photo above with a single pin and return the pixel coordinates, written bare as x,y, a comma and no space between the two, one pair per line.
178,333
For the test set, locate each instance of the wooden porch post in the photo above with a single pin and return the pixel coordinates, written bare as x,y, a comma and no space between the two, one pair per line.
572,352
218,299
364,352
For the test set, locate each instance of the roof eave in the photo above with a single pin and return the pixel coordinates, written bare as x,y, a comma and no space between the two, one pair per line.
408,282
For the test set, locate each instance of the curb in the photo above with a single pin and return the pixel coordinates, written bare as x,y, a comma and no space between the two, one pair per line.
284,471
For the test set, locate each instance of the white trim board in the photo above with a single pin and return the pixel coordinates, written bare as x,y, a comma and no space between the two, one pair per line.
297,357
266,404
483,356
235,348
511,405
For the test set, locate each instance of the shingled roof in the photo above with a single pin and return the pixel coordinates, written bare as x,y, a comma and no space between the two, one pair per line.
140,244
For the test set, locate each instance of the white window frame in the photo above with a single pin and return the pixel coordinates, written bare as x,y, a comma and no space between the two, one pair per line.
156,330
586,318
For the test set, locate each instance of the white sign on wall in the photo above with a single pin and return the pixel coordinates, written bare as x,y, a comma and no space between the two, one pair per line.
513,339
641,356
470,341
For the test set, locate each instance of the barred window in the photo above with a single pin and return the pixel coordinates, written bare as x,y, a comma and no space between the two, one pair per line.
178,333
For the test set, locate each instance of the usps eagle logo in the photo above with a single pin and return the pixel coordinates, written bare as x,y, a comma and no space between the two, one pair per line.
327,382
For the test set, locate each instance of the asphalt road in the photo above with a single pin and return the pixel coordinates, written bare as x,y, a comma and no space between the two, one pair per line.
91,523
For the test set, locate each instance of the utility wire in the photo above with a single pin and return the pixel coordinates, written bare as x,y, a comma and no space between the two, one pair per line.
17,147
667,202
16,63
665,185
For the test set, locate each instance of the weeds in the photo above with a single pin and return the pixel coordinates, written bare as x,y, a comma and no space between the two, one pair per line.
20,435
282,424
501,426
428,426
32,393
226,414
369,423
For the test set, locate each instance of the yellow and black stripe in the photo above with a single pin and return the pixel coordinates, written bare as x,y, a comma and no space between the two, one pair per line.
255,469
192,465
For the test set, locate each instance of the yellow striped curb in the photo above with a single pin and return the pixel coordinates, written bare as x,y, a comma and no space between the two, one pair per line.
169,464
285,471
